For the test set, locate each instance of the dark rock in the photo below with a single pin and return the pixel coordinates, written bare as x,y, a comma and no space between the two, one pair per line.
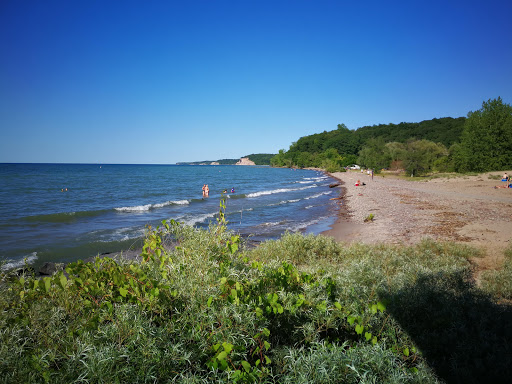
334,185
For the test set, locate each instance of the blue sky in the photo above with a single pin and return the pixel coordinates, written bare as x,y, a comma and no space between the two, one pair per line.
169,81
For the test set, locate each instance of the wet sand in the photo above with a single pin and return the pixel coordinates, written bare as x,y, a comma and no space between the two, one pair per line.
466,209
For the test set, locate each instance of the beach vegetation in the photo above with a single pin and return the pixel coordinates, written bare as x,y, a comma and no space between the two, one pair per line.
369,218
199,306
499,282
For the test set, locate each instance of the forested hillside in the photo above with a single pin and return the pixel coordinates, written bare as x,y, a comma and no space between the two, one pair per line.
480,142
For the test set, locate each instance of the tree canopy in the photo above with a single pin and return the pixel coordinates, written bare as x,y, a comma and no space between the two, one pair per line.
480,142
487,138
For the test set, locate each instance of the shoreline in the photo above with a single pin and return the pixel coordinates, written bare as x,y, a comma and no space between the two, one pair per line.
463,209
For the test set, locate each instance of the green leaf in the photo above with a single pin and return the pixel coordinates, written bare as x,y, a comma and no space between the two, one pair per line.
123,291
246,366
322,306
108,304
337,305
374,308
406,352
209,302
381,306
374,340
63,281
351,320
47,283
227,347
267,360
359,329
368,335
267,345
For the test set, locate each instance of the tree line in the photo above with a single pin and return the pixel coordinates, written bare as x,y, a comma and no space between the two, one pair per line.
480,142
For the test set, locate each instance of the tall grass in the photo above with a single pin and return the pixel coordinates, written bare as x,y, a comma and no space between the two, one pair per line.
201,308
499,282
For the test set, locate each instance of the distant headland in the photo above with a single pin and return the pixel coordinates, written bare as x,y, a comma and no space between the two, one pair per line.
254,159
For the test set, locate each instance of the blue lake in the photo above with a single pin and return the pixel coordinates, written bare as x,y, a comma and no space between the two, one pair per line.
107,207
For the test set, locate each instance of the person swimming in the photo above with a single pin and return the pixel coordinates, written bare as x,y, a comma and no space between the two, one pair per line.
232,190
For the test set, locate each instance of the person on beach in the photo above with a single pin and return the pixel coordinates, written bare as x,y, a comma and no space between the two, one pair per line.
505,177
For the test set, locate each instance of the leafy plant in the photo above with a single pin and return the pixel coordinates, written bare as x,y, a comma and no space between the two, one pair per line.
369,218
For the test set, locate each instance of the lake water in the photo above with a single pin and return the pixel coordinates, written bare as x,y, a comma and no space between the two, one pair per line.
107,207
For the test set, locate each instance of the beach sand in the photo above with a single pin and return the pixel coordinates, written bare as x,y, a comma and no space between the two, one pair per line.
464,209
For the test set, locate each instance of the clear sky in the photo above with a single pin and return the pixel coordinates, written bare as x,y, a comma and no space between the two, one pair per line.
168,81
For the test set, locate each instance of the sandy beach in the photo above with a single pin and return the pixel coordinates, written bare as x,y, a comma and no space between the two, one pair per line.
466,209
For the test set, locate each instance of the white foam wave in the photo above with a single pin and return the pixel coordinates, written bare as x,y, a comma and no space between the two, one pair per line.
271,223
281,190
12,264
285,202
147,207
138,208
309,206
302,226
198,219
317,195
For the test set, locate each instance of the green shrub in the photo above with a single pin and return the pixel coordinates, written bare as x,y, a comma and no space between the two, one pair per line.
201,307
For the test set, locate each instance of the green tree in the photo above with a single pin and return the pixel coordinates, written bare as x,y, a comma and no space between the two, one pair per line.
421,155
396,150
487,138
375,154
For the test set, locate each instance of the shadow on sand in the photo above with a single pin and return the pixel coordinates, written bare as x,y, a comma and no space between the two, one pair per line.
463,335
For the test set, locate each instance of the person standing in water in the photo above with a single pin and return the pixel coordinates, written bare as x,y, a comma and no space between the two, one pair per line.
206,191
